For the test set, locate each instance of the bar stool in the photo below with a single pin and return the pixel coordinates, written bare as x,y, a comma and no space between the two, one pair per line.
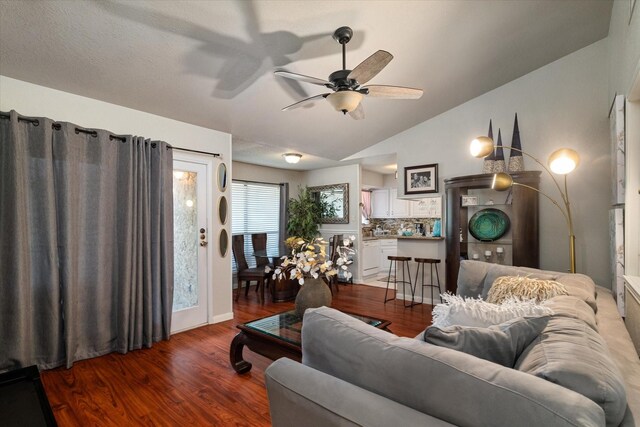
393,262
433,264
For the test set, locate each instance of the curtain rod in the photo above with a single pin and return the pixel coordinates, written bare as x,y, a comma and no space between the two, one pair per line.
197,151
58,126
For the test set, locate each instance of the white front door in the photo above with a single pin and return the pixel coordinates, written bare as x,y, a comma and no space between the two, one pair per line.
191,178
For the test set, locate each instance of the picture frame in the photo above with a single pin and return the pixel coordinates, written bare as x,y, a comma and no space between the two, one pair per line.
335,198
469,200
421,179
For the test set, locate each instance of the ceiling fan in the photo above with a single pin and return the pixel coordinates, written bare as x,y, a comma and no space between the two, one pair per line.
348,91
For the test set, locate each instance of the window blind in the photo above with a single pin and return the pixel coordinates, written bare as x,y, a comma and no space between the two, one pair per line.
255,209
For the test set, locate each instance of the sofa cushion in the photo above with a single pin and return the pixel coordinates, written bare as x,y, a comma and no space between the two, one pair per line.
455,387
475,277
613,331
524,287
580,286
500,344
573,355
572,307
475,312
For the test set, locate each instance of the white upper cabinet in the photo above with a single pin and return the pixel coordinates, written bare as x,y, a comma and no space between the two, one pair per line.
380,203
385,204
399,207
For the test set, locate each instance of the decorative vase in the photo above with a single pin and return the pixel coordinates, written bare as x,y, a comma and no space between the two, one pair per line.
314,293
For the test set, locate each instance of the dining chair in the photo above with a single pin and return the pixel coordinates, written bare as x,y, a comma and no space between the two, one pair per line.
246,274
259,242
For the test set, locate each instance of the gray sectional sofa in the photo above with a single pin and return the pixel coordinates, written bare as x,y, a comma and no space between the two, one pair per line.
582,370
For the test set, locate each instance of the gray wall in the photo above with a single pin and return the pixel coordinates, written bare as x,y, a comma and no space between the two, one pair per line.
249,172
563,104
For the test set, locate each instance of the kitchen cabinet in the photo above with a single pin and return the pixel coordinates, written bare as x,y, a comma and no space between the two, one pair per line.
370,257
399,207
430,207
385,204
388,247
380,203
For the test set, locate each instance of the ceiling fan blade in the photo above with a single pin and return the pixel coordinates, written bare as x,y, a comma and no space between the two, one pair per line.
393,92
304,101
302,78
371,66
358,113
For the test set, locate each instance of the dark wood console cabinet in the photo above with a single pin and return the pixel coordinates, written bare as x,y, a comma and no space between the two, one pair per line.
522,209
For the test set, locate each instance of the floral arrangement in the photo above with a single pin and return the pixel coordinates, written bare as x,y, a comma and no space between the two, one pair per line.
309,259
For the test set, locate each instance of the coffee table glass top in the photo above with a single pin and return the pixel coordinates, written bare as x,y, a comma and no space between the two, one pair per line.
287,326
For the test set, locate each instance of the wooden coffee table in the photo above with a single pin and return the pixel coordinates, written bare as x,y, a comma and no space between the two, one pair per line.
276,336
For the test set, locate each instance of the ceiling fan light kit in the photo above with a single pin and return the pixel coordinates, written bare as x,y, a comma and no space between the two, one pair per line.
345,101
292,157
347,85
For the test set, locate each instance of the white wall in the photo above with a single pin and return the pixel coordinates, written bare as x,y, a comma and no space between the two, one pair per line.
33,100
563,104
624,48
624,71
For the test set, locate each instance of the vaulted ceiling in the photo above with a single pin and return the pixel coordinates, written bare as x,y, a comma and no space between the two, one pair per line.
211,63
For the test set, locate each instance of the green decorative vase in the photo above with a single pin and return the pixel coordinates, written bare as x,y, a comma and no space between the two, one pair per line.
314,293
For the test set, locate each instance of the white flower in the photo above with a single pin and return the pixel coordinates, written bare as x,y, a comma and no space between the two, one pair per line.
301,280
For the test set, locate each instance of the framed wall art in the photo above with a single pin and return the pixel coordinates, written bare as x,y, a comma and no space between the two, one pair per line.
421,179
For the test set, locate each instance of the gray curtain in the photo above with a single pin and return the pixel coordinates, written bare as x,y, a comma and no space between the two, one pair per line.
86,242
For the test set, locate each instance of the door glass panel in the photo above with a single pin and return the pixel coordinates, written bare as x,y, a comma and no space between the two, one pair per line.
185,235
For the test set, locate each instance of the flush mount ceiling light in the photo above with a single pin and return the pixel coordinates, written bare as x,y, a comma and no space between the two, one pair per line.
292,157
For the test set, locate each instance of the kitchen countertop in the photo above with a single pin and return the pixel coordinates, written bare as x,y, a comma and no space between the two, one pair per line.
390,236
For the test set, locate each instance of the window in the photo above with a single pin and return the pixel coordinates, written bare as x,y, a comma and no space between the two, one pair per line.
255,209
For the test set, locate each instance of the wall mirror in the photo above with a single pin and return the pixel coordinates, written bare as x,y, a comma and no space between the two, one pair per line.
222,210
222,177
335,202
223,242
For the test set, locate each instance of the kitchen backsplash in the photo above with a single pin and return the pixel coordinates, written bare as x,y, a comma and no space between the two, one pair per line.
395,224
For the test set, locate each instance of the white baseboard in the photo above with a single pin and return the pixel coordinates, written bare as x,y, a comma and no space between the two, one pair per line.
221,317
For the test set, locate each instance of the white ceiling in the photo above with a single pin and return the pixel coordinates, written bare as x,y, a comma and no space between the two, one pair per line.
210,63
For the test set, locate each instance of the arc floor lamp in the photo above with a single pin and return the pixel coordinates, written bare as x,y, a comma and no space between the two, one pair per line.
561,162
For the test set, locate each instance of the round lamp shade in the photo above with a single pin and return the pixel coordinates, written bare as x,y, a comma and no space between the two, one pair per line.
501,181
345,100
563,161
481,147
292,157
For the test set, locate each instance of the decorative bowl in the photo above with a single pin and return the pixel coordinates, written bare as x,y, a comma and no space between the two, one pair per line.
489,224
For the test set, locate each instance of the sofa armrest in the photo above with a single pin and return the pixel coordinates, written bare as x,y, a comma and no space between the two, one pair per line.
300,395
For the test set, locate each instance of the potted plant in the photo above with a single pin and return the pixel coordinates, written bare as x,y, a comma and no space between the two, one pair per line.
305,214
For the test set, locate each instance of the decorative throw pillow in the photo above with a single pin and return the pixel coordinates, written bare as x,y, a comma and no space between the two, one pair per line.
500,344
524,287
475,312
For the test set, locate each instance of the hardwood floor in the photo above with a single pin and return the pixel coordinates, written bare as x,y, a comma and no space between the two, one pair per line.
188,380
